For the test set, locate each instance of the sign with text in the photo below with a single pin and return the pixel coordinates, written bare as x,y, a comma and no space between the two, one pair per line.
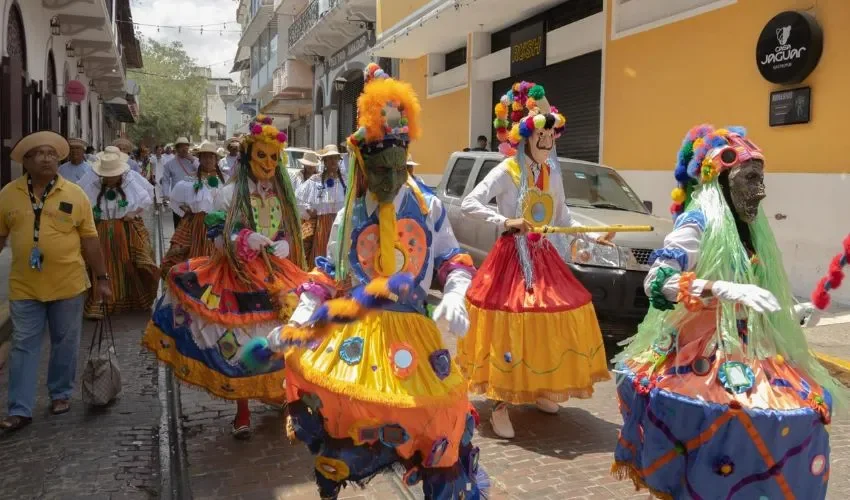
789,47
789,107
528,48
354,47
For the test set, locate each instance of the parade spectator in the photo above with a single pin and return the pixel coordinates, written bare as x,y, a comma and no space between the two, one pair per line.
228,163
77,165
158,161
90,152
182,167
47,281
482,144
309,166
127,147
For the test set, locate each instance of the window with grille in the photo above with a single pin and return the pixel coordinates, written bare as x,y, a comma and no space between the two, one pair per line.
16,42
50,81
347,119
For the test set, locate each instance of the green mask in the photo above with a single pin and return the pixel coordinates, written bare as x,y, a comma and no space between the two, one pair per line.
386,173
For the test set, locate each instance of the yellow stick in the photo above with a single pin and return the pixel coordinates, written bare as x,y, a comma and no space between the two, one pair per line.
593,229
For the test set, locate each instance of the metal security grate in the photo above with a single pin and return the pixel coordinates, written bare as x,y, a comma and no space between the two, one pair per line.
642,255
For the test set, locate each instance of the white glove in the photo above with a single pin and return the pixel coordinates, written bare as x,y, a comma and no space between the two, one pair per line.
756,298
257,241
280,249
307,305
451,315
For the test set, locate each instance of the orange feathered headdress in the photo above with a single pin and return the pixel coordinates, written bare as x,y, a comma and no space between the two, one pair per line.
387,110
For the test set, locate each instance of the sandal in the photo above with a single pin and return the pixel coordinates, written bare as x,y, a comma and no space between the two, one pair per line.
60,406
14,423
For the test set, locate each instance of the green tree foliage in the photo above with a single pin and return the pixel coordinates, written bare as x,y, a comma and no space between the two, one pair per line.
172,94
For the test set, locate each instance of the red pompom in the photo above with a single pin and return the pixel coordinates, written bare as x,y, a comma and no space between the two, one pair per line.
676,208
847,246
534,237
516,116
820,297
835,273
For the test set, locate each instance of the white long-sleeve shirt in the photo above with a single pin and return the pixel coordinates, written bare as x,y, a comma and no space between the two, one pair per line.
499,184
312,194
137,191
176,170
680,252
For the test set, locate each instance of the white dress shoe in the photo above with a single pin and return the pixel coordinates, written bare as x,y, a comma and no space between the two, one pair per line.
547,406
501,422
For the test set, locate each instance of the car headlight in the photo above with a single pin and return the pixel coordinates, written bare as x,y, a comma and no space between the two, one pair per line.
593,254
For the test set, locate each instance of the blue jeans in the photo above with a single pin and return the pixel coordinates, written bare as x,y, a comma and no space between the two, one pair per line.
29,319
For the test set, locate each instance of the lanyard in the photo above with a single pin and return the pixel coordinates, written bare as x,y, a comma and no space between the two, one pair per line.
36,258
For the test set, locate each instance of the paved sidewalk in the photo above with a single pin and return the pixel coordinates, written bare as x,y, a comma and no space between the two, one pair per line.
94,454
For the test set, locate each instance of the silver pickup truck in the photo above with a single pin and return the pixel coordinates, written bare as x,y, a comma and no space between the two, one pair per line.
597,196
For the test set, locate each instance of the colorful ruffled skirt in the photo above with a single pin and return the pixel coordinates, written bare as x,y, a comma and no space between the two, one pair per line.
129,259
316,233
524,344
380,391
188,242
208,313
705,425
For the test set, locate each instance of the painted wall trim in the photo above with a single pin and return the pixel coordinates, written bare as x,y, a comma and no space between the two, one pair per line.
661,5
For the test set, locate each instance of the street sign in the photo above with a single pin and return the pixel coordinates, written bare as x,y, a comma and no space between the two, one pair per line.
789,47
790,107
528,48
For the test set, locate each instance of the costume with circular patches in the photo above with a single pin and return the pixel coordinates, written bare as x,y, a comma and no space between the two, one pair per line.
718,399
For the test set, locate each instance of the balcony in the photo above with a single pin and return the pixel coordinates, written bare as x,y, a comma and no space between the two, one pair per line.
325,26
262,13
290,7
292,79
105,47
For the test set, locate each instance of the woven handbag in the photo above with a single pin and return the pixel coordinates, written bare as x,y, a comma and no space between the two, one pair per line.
101,379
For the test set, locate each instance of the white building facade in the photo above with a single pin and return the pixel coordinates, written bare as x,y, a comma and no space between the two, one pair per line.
46,44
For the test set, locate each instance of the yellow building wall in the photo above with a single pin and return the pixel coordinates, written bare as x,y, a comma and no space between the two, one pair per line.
445,120
390,12
661,82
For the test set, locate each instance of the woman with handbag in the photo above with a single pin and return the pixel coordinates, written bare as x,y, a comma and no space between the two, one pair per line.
119,196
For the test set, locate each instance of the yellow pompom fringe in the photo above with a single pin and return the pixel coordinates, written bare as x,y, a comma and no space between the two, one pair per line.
625,470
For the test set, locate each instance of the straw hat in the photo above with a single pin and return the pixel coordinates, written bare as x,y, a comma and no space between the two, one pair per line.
206,147
310,159
38,139
182,140
221,152
329,150
410,162
121,141
110,162
78,143
234,141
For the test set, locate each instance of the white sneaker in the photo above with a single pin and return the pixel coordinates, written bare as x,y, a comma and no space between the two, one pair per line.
548,406
501,422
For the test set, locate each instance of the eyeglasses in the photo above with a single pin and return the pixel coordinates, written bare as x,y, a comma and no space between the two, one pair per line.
41,154
738,151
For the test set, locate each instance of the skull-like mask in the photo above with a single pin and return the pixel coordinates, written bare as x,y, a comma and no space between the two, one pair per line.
264,160
746,189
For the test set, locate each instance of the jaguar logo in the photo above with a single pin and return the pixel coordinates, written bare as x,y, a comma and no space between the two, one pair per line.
783,34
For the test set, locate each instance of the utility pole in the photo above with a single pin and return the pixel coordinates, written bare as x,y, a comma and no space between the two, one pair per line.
207,111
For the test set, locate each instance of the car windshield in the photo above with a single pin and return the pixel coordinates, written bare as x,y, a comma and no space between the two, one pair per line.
294,156
591,186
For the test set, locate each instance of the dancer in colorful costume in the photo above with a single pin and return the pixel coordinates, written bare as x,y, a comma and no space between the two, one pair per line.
534,337
719,393
195,199
119,196
370,382
215,305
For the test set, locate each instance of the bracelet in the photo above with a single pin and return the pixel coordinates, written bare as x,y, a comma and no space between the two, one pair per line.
656,296
692,303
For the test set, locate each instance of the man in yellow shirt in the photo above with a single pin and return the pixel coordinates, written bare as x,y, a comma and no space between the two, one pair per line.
53,237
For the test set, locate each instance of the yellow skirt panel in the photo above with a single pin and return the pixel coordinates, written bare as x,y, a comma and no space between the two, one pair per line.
268,386
519,357
392,365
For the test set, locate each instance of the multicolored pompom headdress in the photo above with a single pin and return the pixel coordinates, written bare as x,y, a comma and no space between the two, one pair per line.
520,111
387,113
262,130
707,152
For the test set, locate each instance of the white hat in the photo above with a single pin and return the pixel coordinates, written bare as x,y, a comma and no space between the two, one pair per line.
309,159
182,140
410,162
38,139
207,147
329,150
110,162
221,152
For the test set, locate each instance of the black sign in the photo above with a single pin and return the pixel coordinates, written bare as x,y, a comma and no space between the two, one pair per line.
788,107
789,47
528,48
354,47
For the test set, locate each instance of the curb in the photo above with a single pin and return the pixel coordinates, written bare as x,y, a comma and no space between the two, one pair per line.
837,367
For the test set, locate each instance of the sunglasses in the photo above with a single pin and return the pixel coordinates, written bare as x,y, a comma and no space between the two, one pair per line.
739,150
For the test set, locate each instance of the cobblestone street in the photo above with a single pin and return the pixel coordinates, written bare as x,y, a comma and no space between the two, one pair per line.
97,454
